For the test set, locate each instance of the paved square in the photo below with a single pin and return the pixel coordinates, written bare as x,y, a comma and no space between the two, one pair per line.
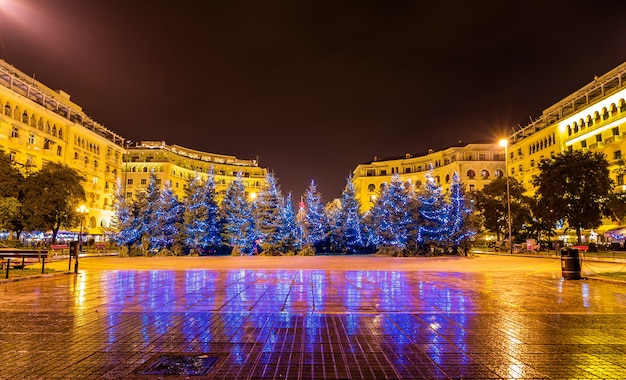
335,318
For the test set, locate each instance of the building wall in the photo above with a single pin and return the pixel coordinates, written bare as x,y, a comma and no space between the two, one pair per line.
179,164
475,164
39,125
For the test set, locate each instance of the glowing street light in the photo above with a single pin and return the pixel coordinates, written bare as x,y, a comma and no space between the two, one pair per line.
82,210
505,143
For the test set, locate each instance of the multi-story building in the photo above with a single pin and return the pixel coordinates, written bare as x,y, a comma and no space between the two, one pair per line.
591,119
39,125
476,165
179,164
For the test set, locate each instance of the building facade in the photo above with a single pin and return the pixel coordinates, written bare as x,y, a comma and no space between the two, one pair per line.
179,165
476,165
591,119
39,125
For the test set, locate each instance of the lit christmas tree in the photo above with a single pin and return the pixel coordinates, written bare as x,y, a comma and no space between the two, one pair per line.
238,219
147,204
268,208
314,219
288,232
391,217
126,221
460,229
201,216
166,222
350,220
335,234
434,214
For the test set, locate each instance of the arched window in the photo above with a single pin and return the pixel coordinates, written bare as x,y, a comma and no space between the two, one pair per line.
371,187
485,174
498,173
7,109
471,174
447,178
145,169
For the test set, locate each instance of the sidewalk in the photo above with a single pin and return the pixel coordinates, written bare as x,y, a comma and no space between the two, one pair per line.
345,317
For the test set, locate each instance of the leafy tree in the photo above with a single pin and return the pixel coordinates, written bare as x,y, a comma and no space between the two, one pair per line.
11,195
491,202
574,187
51,196
350,219
314,223
238,219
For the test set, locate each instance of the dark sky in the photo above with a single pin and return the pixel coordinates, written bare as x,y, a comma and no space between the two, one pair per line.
314,87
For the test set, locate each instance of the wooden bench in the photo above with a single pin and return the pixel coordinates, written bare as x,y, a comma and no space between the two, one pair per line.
58,247
100,246
10,253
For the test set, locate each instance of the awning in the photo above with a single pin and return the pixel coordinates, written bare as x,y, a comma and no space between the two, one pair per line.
616,233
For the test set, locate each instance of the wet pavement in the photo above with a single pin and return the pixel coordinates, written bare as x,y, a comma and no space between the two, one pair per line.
323,318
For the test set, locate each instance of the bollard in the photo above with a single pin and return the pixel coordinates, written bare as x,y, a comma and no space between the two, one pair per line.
73,252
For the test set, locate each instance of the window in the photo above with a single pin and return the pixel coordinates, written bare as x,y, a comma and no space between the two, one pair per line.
14,132
620,180
615,131
383,172
407,170
129,195
583,144
598,137
59,150
158,181
484,174
532,163
482,157
144,181
617,155
472,187
31,139
129,181
76,155
521,168
471,174
86,160
498,173
371,187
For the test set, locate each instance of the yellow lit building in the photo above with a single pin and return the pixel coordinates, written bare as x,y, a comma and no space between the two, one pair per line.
476,165
591,119
39,125
178,165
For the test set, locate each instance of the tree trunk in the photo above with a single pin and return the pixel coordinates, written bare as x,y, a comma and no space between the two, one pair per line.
579,236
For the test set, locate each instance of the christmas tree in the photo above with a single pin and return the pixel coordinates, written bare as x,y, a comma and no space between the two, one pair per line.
268,208
201,216
314,218
350,220
238,219
434,214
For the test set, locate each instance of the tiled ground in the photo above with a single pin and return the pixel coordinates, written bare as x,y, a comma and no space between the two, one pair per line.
322,324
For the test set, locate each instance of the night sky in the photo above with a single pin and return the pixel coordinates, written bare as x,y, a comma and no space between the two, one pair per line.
314,88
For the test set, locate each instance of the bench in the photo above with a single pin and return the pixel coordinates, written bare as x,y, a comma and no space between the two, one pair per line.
10,253
58,247
580,248
100,246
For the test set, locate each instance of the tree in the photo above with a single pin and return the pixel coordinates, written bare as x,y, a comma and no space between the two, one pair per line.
11,195
314,223
166,222
434,213
289,232
51,196
238,219
460,228
491,202
127,218
574,187
201,216
267,209
350,219
391,217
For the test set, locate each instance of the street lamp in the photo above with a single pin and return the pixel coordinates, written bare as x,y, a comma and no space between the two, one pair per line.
505,143
82,210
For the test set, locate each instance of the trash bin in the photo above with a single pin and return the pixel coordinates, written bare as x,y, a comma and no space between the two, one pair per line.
570,264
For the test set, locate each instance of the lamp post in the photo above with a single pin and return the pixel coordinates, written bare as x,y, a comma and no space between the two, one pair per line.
505,143
82,210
